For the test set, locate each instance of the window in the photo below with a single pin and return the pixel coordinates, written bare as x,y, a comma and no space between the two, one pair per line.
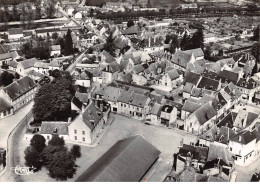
48,137
83,139
83,132
75,131
190,124
230,149
75,138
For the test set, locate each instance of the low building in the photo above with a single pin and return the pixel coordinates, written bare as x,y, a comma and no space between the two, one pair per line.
55,50
15,34
129,160
25,66
19,92
48,129
41,67
6,108
168,115
7,57
86,127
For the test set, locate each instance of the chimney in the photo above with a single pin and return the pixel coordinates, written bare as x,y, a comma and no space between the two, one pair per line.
220,170
181,142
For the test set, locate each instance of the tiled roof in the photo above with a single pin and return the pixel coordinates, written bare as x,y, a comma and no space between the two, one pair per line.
36,74
51,127
192,78
156,109
128,160
19,87
188,87
41,65
228,121
181,58
173,74
190,106
77,102
228,76
29,63
4,105
12,63
205,113
217,151
83,97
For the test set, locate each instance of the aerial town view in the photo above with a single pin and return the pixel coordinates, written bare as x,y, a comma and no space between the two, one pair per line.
130,91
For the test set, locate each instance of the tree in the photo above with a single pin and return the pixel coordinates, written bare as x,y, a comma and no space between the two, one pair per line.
50,8
15,13
56,141
207,53
32,158
130,23
76,151
16,75
197,39
174,44
185,42
6,78
38,142
256,53
62,166
256,34
52,101
110,46
54,36
68,46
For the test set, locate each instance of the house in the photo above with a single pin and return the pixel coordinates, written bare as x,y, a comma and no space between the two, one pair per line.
245,147
152,44
133,105
88,39
36,76
188,108
41,67
168,115
12,65
15,33
86,127
110,72
154,116
55,64
84,79
6,108
201,120
172,79
25,66
55,50
49,129
7,57
209,84
125,161
19,92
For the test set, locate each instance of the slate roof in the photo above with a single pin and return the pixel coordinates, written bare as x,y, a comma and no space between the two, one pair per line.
128,78
197,152
12,63
19,87
90,115
246,137
77,102
228,121
192,78
224,135
228,76
83,97
12,55
29,63
126,161
209,84
4,105
49,127
205,113
190,106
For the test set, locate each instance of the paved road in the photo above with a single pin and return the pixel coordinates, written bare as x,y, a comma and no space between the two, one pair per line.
9,123
78,59
14,144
